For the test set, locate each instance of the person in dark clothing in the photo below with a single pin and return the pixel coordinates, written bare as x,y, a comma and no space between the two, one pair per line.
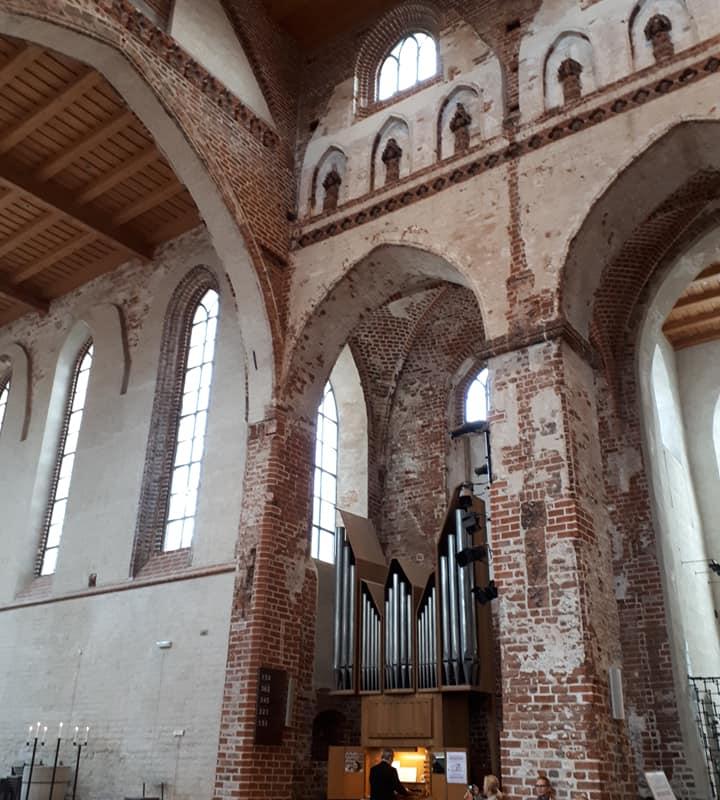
384,781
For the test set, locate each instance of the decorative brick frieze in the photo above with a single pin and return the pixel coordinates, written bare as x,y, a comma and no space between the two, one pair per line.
458,169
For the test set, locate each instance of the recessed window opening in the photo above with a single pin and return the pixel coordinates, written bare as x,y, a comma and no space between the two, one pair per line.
476,399
411,61
67,450
190,440
4,395
322,545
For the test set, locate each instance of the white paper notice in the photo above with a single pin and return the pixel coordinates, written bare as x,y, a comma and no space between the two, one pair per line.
659,786
455,767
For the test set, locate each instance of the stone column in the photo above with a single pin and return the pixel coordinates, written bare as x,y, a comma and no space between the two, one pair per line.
558,618
272,622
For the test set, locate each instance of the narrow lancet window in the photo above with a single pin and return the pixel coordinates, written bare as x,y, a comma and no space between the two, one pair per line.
4,395
476,399
192,423
55,519
325,483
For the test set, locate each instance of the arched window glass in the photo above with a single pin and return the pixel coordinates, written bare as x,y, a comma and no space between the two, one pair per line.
476,399
325,481
64,468
192,423
4,394
412,60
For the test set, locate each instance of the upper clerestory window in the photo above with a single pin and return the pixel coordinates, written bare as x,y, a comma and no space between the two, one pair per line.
413,60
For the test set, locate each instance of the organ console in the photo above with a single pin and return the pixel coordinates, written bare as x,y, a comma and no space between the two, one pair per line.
413,643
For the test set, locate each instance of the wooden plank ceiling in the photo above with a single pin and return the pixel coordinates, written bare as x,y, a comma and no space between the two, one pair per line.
83,188
695,318
314,22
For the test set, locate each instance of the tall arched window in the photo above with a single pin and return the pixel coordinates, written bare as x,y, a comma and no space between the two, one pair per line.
4,394
476,399
325,480
412,60
192,423
67,447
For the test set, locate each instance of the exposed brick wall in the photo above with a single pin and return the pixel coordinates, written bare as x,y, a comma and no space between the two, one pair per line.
275,58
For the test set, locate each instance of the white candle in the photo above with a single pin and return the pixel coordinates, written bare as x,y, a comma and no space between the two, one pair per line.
87,733
75,735
60,726
44,733
30,736
37,732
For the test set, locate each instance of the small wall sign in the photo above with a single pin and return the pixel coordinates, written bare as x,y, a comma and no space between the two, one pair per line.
270,709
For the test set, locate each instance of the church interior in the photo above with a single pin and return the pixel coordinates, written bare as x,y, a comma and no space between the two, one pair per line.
352,398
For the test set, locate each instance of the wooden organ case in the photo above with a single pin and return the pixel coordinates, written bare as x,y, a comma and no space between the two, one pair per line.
414,644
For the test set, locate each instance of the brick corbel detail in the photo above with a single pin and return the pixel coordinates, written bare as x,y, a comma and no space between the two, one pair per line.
272,621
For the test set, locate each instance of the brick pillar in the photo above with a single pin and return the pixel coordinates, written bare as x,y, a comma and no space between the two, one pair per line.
559,628
272,623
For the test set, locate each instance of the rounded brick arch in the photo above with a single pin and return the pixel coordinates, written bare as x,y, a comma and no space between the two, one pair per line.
384,35
133,61
653,209
386,273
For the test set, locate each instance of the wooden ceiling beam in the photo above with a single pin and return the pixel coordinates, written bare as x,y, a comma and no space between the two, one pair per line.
85,144
694,299
58,254
708,272
51,108
148,202
117,175
28,231
681,342
58,198
18,62
681,324
23,296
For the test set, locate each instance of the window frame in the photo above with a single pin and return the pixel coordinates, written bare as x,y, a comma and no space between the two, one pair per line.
5,386
418,82
87,348
476,379
179,416
162,435
318,471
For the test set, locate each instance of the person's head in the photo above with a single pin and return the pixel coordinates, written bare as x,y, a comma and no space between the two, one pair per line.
387,755
543,787
491,785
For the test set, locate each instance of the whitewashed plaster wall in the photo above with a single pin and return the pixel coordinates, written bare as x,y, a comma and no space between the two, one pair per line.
689,599
204,30
154,692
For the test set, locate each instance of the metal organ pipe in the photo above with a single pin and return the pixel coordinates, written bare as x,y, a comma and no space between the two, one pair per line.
402,599
388,648
455,655
351,626
338,610
431,639
408,645
464,602
445,614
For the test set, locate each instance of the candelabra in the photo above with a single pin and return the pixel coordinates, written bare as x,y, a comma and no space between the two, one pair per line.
38,734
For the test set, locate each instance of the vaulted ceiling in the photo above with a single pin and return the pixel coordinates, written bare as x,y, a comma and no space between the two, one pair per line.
83,187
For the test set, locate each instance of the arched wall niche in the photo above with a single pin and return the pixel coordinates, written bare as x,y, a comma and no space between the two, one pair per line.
226,235
386,271
397,129
470,100
569,46
333,159
683,33
14,359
